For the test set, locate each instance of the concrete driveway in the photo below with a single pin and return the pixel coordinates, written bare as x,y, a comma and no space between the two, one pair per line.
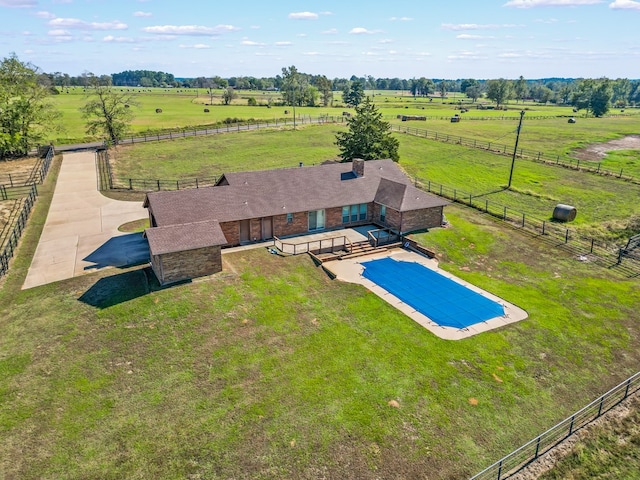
81,231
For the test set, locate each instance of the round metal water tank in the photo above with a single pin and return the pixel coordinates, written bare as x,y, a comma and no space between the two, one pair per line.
564,213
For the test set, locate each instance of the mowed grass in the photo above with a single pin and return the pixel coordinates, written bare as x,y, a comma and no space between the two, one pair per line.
215,154
272,370
184,109
536,188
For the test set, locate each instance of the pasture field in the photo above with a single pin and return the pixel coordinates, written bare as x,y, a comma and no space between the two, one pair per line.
184,108
536,188
272,370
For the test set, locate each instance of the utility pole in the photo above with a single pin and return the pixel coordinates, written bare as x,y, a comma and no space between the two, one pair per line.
515,149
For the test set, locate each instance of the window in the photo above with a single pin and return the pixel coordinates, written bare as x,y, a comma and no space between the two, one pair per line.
363,211
289,217
353,213
383,213
316,220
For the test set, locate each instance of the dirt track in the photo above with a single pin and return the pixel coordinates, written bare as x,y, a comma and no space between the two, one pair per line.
598,151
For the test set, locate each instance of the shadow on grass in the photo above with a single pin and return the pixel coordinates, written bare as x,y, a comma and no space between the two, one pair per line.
109,291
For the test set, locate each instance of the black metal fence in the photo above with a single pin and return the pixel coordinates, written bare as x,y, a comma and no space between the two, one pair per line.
502,149
588,249
520,458
26,195
232,126
10,242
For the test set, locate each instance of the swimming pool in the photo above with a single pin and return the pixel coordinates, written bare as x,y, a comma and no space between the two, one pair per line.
439,298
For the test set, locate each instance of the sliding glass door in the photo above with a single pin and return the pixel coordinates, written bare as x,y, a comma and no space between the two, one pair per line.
316,220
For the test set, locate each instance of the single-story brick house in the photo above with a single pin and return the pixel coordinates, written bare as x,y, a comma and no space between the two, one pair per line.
190,226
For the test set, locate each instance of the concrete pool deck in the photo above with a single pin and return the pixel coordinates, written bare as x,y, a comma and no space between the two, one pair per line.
350,270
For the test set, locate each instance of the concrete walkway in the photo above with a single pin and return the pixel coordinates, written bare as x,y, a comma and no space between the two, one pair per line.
81,231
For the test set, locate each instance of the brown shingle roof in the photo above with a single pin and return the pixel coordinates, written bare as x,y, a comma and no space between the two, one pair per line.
186,236
404,197
275,192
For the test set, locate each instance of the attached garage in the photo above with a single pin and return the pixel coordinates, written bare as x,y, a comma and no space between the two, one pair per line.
185,251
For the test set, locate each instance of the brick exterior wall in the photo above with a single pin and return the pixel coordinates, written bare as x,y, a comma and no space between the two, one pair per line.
231,232
173,267
411,221
420,219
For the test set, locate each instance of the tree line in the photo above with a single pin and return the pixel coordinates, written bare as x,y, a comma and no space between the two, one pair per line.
26,114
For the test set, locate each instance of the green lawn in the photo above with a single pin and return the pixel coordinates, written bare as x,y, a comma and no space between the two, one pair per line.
536,188
184,108
270,369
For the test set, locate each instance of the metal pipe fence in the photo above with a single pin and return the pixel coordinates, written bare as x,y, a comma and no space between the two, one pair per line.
530,451
20,221
231,126
26,194
502,149
589,249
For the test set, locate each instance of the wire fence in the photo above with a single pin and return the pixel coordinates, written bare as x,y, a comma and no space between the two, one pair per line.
587,249
530,451
503,149
24,197
233,125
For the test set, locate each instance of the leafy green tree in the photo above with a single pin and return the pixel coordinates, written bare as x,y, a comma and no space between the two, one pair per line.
442,88
353,94
520,89
108,111
500,91
324,86
25,112
368,136
228,95
593,95
474,92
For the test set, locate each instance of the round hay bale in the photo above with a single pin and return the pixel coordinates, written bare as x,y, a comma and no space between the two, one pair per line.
158,110
206,110
564,213
571,120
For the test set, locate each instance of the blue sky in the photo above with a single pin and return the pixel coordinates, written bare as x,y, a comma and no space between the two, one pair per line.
434,39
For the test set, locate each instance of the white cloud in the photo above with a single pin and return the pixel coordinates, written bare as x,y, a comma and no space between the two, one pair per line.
549,3
476,26
189,29
624,5
112,39
303,16
46,15
142,14
283,44
251,43
331,31
58,33
401,19
18,3
197,46
311,54
361,31
385,40
81,24
326,13
467,36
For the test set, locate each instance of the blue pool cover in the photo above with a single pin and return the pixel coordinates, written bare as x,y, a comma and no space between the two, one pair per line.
444,301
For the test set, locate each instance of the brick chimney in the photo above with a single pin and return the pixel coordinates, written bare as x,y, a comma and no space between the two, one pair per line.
358,167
